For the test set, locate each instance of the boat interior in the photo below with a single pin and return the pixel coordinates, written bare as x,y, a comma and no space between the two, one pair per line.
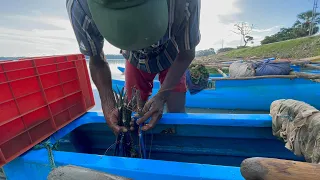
222,139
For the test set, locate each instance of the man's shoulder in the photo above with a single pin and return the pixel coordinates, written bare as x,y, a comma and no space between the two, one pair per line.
79,7
180,11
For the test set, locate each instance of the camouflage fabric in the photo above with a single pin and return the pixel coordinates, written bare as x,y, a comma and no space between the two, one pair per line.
241,69
298,125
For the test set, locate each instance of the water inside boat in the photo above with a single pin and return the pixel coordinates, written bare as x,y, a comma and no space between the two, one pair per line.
197,143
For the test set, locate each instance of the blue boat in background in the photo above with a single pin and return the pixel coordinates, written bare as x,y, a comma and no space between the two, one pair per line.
248,94
295,68
182,146
122,69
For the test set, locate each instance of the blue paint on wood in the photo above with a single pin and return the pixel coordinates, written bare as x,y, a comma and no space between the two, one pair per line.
215,75
202,120
122,69
35,166
295,68
207,146
310,71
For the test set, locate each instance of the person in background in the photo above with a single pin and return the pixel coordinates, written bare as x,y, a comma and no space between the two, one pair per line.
155,37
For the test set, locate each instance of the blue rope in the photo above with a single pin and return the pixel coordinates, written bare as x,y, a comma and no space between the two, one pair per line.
121,148
141,138
142,145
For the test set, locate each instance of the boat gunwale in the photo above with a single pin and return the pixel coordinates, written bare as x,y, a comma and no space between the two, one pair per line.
113,164
203,119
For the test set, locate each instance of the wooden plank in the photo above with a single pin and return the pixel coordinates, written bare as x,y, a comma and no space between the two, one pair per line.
292,75
221,72
79,173
312,66
312,59
271,169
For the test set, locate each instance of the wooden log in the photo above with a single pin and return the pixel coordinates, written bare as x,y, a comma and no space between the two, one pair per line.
277,169
221,72
295,62
257,77
293,75
298,62
79,173
312,66
306,75
217,65
312,59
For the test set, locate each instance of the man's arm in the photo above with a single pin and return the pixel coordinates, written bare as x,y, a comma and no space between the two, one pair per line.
101,76
154,107
186,39
90,42
176,71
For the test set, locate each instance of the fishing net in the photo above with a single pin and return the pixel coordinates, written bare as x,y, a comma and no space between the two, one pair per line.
298,125
197,77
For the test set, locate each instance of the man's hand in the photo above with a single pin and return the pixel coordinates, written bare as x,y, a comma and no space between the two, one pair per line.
112,121
154,109
101,76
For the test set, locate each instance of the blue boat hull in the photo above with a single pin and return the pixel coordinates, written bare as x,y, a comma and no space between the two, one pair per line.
201,146
252,94
122,69
295,68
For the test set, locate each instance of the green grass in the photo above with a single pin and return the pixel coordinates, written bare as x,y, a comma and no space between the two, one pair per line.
296,48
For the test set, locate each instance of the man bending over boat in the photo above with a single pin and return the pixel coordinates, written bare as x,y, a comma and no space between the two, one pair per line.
155,36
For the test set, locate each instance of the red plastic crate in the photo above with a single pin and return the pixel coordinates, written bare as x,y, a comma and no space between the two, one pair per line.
39,96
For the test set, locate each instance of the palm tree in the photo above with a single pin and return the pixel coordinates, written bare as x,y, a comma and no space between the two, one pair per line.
304,21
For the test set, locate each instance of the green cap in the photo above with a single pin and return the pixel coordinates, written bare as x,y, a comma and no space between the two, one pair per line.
130,24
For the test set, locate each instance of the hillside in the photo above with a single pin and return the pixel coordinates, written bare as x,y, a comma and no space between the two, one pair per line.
296,48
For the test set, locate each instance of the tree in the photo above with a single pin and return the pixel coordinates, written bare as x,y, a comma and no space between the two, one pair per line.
304,21
244,29
300,28
249,39
224,49
285,34
205,52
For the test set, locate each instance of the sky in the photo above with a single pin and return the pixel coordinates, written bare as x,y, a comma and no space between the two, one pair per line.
42,27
